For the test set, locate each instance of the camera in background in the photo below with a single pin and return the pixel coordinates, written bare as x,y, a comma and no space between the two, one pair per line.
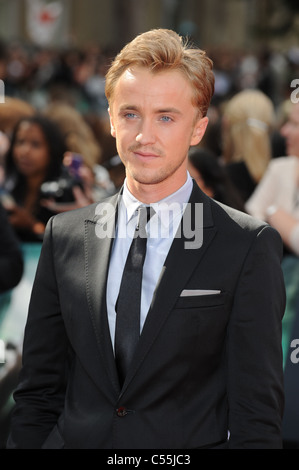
61,190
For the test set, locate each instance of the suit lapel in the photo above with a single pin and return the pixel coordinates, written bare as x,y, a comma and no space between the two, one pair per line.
99,235
180,260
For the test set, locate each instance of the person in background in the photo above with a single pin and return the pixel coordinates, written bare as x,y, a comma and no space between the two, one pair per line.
78,135
11,258
35,156
276,198
212,177
247,122
80,139
11,111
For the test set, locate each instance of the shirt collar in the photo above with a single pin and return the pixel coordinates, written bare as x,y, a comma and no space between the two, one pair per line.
175,202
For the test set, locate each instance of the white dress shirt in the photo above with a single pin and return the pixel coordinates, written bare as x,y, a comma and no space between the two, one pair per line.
161,230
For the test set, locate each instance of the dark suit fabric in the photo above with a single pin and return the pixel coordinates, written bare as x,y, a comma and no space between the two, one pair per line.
203,364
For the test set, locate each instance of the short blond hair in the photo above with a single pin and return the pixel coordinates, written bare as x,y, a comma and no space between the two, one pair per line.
161,50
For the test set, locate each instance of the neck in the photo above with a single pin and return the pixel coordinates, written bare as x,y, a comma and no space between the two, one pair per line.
32,193
149,193
34,182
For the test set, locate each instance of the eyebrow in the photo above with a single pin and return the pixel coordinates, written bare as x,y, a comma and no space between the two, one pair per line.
169,110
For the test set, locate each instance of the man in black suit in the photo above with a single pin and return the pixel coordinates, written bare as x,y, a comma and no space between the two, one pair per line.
206,371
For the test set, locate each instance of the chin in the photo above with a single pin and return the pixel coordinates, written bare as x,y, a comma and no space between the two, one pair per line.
145,177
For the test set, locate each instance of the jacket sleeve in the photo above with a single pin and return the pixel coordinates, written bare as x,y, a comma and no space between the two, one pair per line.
255,371
40,394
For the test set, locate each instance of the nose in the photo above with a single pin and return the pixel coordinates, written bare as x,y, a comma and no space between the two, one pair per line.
146,133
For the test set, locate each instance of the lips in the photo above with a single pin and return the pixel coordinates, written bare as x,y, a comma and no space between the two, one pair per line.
146,154
24,163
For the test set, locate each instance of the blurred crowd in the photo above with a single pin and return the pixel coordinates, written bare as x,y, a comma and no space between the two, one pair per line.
57,153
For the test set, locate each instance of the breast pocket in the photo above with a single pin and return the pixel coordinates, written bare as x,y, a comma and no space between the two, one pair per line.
201,324
202,301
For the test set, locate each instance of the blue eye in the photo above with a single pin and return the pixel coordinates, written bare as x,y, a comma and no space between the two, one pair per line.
130,115
166,119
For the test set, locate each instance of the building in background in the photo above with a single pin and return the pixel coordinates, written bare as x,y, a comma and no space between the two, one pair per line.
111,23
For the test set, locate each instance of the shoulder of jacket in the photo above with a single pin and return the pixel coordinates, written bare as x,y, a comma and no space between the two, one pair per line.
239,218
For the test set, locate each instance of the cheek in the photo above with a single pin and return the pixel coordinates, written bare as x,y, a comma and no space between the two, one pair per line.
125,137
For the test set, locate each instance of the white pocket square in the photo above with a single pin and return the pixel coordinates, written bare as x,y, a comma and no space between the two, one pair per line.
194,292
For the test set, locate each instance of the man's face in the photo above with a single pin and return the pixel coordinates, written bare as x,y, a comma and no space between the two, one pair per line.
291,132
154,123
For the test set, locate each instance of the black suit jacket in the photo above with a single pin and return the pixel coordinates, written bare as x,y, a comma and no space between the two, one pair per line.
204,365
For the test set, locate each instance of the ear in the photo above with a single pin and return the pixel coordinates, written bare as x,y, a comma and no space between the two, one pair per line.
112,128
199,130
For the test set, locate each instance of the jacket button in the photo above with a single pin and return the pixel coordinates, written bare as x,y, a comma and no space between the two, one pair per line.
121,411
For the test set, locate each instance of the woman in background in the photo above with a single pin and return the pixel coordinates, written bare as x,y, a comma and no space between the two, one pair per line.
35,156
247,124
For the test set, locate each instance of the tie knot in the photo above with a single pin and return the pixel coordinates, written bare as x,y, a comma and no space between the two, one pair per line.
144,215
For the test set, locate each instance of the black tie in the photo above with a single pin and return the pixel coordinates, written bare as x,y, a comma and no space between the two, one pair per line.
127,329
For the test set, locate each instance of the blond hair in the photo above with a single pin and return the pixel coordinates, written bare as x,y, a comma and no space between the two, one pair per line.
248,120
160,50
78,134
12,111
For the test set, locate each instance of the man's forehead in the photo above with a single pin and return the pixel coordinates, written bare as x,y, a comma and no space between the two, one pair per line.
129,74
158,91
143,81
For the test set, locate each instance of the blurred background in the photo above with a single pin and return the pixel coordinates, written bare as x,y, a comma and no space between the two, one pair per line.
252,42
59,50
53,58
111,23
